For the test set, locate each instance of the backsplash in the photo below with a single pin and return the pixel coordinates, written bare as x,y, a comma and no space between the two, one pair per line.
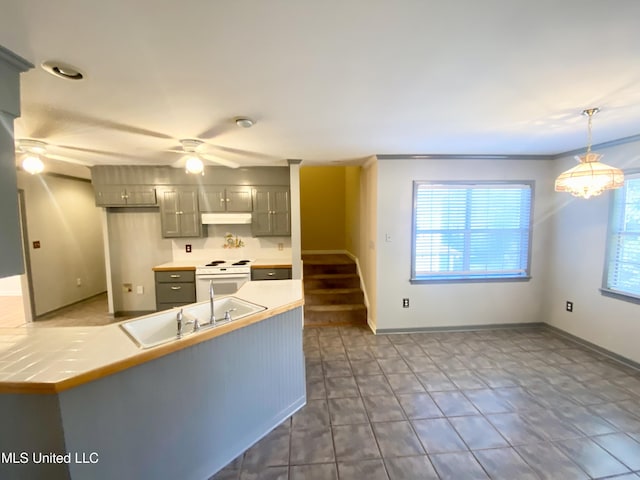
213,247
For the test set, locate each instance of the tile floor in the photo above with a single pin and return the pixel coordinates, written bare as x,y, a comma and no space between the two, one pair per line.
501,404
91,312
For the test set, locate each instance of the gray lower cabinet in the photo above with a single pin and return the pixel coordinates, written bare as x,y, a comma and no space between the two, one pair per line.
271,212
179,212
225,199
270,273
175,288
125,195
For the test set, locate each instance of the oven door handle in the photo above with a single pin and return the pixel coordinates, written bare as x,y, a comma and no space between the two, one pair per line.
222,276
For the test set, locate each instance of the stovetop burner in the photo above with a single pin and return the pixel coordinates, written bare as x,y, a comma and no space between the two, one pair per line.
215,263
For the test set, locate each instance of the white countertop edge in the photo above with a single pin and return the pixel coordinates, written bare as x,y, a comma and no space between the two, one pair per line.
56,354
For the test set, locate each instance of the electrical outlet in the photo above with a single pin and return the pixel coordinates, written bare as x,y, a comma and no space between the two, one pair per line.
405,303
187,248
140,290
281,246
569,306
78,282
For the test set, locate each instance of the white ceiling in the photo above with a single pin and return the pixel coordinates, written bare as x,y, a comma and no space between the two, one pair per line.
327,81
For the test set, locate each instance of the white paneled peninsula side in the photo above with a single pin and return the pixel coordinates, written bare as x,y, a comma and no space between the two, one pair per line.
101,407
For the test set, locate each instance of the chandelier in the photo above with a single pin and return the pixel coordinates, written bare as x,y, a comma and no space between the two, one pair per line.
590,177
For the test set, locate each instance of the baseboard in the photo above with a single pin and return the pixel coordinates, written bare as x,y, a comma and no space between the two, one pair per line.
463,328
592,346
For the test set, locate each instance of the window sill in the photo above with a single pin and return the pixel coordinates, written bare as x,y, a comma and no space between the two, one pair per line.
626,297
423,281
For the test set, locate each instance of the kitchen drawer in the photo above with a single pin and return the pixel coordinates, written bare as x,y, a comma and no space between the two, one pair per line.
176,292
168,306
270,273
176,276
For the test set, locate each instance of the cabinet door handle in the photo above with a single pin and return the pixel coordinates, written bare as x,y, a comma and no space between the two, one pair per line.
176,288
176,275
271,274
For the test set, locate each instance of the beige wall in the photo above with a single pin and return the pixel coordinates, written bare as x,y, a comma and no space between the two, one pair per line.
10,286
454,304
322,208
368,224
136,246
352,210
577,260
62,216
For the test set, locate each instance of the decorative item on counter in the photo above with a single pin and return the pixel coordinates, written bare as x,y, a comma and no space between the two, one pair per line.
231,242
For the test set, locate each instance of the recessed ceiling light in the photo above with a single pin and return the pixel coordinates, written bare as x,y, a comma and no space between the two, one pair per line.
244,122
62,70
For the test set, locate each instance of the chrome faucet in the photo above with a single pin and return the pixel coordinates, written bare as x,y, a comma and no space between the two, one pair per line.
227,315
179,317
180,321
212,318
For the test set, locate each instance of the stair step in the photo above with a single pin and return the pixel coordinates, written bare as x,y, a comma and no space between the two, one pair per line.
326,259
335,308
333,296
320,268
316,276
335,314
332,291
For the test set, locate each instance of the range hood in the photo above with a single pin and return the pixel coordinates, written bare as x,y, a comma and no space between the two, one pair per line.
226,218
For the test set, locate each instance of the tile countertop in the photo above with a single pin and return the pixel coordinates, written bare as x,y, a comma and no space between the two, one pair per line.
188,264
49,360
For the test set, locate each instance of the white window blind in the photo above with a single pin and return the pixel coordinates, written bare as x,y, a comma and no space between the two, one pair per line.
466,231
622,272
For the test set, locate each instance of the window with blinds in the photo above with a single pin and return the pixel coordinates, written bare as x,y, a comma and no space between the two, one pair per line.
622,269
471,231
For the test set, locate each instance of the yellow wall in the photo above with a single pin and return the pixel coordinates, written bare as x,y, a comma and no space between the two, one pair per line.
322,208
352,210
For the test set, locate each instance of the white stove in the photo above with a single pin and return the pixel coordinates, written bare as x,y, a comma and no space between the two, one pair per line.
226,276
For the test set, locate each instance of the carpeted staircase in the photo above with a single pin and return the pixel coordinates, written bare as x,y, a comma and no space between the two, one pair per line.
332,292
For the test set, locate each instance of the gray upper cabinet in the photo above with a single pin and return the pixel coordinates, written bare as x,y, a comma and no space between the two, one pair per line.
225,199
271,213
179,214
125,195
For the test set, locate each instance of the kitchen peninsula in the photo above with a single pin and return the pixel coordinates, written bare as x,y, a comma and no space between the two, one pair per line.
183,409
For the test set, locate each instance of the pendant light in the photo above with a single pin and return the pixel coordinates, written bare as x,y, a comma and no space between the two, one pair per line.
590,177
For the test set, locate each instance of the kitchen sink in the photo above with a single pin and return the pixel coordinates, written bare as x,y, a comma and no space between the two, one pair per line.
158,328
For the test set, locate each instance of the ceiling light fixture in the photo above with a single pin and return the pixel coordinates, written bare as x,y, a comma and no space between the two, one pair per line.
32,149
590,177
194,165
32,164
244,122
62,70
